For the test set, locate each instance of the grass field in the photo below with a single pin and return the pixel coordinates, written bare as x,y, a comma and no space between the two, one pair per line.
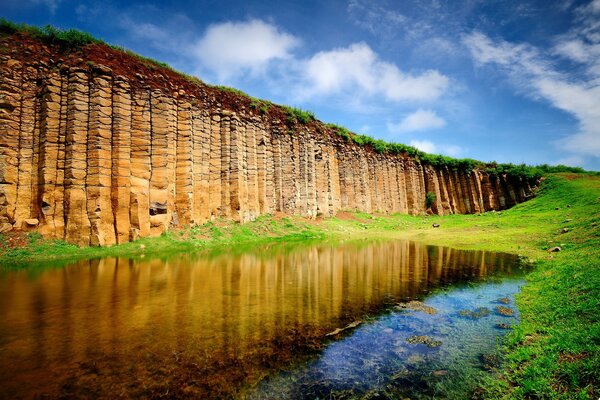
554,352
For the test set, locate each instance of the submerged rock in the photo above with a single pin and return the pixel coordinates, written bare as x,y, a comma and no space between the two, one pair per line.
505,311
476,314
426,340
490,361
504,300
503,326
417,306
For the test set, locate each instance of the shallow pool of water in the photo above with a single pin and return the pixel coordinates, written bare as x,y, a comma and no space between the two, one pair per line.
255,324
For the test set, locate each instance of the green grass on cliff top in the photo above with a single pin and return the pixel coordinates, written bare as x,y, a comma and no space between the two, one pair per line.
555,351
72,39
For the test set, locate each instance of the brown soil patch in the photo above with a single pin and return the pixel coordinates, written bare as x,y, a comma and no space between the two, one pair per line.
563,358
346,216
13,240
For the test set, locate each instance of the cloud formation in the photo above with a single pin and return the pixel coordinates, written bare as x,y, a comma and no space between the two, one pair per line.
419,120
231,50
535,71
358,68
430,147
234,48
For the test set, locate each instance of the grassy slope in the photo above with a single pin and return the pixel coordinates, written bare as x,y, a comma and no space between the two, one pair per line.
554,353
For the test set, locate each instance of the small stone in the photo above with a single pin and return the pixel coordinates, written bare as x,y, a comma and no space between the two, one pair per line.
503,326
32,222
440,372
568,206
426,340
557,208
490,361
564,230
142,246
436,225
554,249
504,300
478,313
505,311
417,306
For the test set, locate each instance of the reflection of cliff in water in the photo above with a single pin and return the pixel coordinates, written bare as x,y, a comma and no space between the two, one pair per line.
192,326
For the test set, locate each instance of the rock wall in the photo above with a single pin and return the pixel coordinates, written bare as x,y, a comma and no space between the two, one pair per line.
98,156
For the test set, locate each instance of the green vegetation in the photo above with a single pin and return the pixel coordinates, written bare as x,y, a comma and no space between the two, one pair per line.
340,131
298,115
70,38
429,199
553,354
32,250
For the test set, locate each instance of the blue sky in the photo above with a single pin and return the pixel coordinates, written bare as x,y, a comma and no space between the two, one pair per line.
510,81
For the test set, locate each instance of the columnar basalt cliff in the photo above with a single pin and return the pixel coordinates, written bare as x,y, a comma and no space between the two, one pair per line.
98,147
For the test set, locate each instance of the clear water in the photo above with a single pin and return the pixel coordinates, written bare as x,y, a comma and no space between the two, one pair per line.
255,324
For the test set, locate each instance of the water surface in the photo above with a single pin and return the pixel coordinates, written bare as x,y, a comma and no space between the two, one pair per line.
250,325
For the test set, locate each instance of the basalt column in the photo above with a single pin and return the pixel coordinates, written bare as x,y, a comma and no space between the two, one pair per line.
99,152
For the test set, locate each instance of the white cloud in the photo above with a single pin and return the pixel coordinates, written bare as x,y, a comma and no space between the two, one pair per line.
424,145
234,48
430,147
419,120
452,150
357,68
537,73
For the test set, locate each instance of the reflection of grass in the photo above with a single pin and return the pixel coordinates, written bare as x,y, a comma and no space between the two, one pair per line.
553,352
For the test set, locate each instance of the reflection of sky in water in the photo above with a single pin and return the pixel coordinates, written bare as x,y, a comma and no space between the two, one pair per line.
376,357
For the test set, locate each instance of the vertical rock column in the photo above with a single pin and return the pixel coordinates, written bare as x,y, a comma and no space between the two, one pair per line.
140,171
432,185
401,183
159,174
311,181
122,156
184,204
50,132
99,168
200,131
237,196
77,226
476,197
214,189
277,171
10,125
252,209
29,130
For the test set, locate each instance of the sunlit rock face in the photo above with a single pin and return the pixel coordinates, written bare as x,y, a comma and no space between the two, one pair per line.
102,148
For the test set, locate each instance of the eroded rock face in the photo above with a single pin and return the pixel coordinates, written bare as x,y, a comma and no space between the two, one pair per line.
100,157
